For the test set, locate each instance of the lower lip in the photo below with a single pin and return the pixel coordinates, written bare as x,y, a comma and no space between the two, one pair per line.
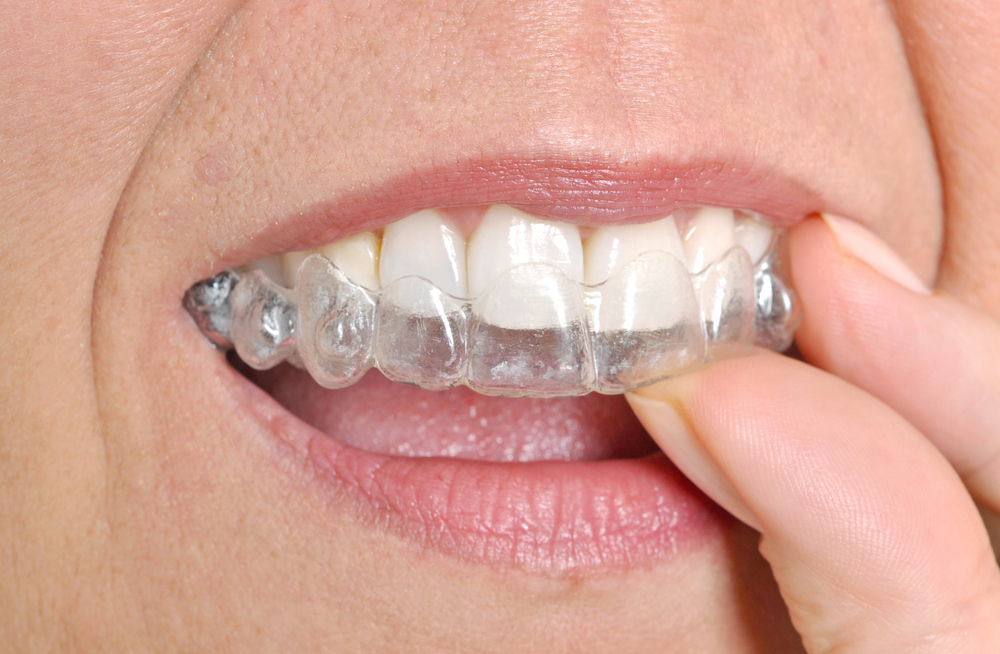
551,516
548,517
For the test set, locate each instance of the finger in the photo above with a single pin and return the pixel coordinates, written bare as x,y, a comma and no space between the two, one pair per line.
931,358
873,540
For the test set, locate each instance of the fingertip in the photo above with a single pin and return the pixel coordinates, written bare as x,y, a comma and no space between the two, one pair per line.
857,241
673,433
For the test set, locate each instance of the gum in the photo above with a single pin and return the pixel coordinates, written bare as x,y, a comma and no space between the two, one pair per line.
651,320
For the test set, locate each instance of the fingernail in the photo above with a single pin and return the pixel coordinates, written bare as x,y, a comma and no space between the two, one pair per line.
674,436
862,244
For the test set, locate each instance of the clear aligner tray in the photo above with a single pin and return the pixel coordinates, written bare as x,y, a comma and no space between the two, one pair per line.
534,332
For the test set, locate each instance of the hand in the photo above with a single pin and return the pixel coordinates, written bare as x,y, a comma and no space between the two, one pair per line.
853,470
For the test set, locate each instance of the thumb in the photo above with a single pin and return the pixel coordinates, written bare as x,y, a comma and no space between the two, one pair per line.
874,542
931,358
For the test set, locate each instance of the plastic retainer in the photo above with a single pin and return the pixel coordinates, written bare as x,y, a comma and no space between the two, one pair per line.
534,332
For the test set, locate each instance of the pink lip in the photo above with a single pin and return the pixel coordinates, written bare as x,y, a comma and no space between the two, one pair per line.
591,193
548,517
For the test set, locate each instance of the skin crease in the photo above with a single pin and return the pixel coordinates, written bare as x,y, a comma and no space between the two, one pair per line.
166,141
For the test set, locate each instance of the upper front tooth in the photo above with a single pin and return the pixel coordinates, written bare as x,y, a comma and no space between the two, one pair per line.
424,245
507,238
712,234
357,256
755,237
610,248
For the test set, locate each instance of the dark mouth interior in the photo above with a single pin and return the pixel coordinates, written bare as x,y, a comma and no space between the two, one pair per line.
391,418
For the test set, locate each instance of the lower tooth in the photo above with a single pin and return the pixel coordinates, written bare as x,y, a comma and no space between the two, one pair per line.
535,331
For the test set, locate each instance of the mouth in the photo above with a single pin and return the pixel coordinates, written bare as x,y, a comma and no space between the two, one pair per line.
508,442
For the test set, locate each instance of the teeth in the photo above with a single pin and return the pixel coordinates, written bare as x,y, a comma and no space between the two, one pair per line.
529,335
609,248
424,245
755,237
265,322
336,323
728,304
273,267
711,235
507,238
290,262
425,347
646,323
524,309
357,257
650,292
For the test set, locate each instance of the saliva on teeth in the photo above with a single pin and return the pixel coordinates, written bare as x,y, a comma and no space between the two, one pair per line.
523,308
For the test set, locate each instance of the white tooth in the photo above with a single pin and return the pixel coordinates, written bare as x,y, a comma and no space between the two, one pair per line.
424,245
712,234
272,266
610,248
754,237
357,256
291,262
507,238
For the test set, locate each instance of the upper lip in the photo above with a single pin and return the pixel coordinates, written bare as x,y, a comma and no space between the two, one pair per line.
581,192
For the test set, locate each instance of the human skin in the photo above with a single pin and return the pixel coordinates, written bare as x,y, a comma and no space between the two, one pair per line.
148,145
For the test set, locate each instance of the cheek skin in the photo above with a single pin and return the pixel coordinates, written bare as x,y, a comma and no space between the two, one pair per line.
196,529
83,88
952,48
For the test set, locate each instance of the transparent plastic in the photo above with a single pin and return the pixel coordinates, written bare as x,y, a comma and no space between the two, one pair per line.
533,332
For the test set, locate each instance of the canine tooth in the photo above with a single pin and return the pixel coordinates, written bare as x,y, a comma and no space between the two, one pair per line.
507,238
424,245
290,263
754,237
712,234
610,248
358,257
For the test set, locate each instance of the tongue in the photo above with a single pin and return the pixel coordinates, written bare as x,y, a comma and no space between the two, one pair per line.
389,418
